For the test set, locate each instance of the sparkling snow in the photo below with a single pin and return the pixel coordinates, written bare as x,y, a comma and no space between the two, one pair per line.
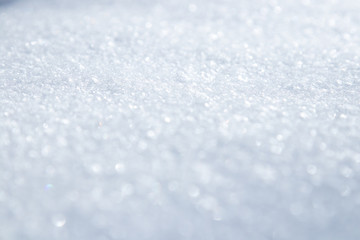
170,119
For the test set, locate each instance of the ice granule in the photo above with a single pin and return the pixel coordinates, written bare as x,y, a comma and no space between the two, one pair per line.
179,119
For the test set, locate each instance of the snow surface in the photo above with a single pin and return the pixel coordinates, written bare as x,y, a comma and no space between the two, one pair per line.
169,119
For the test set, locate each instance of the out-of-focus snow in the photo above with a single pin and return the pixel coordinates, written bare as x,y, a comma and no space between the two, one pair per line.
178,119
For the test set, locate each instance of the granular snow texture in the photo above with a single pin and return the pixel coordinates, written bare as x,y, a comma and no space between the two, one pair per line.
170,119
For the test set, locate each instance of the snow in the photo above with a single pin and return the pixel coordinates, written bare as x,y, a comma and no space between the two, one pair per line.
171,119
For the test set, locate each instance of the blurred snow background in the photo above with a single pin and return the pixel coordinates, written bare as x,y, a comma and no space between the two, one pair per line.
172,119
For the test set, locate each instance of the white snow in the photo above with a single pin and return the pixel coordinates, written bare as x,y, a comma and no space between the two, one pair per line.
170,119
